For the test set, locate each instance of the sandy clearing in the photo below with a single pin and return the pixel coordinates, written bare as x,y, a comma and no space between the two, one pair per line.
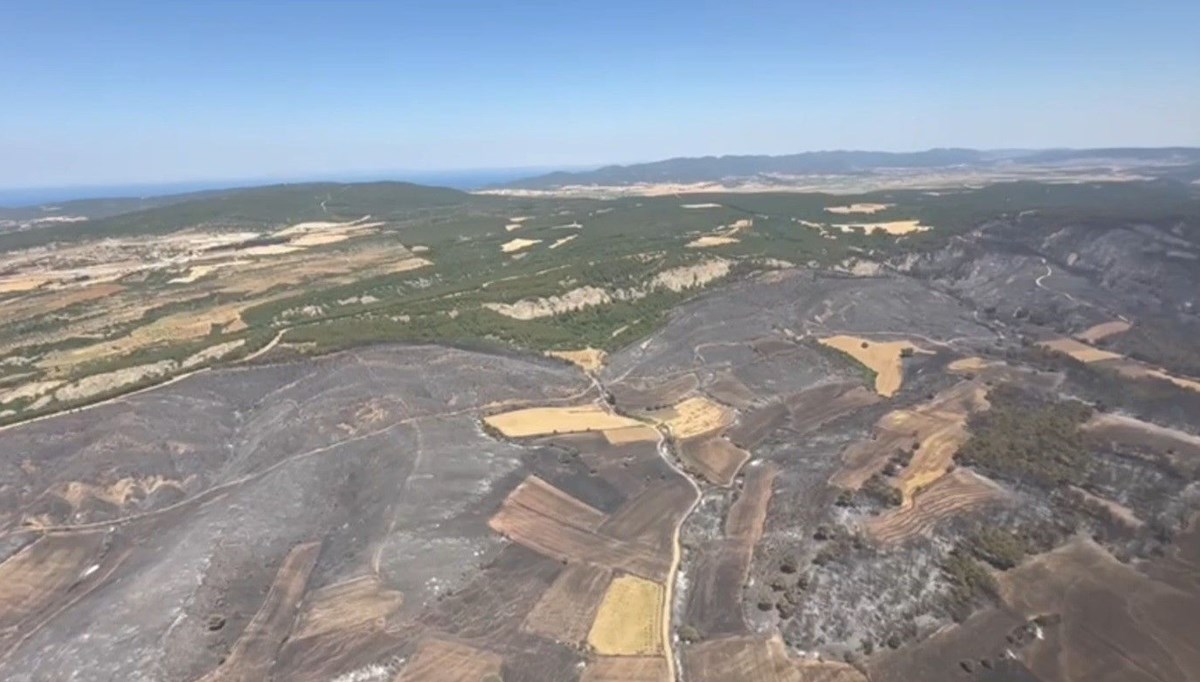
29,391
196,272
544,421
559,242
98,384
1103,331
22,283
212,353
1080,351
587,359
691,276
629,620
518,244
268,250
710,241
116,494
895,227
533,308
971,364
694,417
319,239
883,357
324,226
858,208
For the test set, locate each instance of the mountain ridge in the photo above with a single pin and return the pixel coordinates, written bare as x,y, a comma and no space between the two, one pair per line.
713,168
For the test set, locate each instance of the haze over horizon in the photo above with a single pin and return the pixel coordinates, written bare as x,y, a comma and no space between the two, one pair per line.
113,93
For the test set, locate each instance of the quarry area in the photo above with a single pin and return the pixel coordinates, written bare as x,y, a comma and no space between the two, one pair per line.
738,448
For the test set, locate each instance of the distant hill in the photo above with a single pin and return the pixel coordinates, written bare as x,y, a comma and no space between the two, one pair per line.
716,168
271,205
99,207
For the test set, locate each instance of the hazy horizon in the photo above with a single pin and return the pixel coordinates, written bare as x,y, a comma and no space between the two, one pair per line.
122,93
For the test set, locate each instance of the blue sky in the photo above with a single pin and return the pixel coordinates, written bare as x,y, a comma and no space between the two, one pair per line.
122,92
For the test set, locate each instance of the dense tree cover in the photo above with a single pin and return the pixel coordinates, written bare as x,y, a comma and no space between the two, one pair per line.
1025,440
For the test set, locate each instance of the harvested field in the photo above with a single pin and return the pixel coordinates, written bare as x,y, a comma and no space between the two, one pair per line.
714,458
358,604
566,610
959,491
694,417
714,604
818,406
515,245
254,653
36,581
1124,366
543,421
626,669
440,660
756,425
629,622
881,357
981,637
1118,624
749,512
1080,351
587,359
645,396
936,428
1137,370
1128,433
630,434
1103,331
550,522
758,659
711,241
180,327
729,390
858,208
542,498
649,517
